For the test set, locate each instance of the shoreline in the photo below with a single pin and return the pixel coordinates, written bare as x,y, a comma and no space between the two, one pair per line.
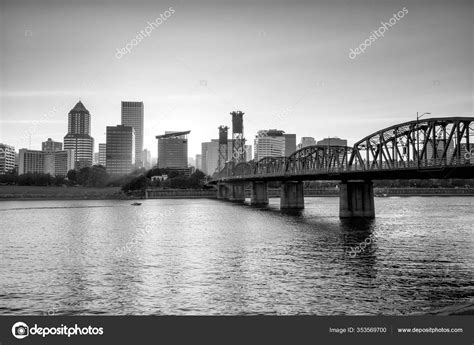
34,193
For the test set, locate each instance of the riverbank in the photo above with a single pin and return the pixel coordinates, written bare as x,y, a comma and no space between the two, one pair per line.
89,193
59,193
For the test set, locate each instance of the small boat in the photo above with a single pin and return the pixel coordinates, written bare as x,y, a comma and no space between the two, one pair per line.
136,204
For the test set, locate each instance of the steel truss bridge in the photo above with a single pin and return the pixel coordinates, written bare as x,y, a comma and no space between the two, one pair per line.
430,148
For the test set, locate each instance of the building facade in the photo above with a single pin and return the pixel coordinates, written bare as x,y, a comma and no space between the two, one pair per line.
173,150
269,143
198,161
290,144
209,157
101,160
51,145
133,115
305,142
335,141
120,150
146,159
55,163
78,137
7,158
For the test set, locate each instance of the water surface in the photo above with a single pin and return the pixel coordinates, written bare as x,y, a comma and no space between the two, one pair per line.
212,257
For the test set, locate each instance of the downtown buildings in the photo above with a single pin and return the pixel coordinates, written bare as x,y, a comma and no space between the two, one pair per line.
7,158
132,114
52,159
209,157
305,142
173,150
120,150
78,137
101,157
273,143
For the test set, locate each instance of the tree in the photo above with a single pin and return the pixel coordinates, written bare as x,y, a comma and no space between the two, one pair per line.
72,176
139,183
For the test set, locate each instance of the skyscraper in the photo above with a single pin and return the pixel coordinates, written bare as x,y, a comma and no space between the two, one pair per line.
146,159
133,115
173,150
120,149
270,143
290,144
102,154
78,137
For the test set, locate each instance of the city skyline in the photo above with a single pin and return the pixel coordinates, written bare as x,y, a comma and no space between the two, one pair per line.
181,82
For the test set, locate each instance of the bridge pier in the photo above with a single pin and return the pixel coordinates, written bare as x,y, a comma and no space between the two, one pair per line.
222,191
292,195
356,199
259,196
237,192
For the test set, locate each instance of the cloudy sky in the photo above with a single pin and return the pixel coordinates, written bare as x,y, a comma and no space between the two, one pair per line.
285,64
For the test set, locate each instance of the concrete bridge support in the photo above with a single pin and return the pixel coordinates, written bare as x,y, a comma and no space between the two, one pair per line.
222,191
356,199
237,192
259,196
292,196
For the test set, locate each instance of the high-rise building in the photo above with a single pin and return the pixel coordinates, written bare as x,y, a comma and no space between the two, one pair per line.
210,155
51,145
173,150
133,115
198,161
120,149
78,137
306,141
290,144
7,158
55,163
269,143
335,141
146,159
102,154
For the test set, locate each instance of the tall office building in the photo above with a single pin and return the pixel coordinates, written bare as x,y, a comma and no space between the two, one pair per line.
198,161
120,149
210,155
306,141
290,144
102,154
133,115
146,159
78,137
51,145
273,143
7,158
55,163
173,150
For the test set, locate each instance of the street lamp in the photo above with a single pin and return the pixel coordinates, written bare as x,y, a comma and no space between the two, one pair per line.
418,117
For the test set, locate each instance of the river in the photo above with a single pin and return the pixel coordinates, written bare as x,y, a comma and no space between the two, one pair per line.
202,257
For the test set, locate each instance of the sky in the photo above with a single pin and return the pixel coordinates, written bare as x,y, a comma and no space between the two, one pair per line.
286,64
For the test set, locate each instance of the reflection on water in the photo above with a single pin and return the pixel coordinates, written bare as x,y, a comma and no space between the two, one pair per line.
212,257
